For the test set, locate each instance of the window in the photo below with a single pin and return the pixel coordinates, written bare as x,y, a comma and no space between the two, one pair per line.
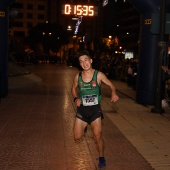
29,6
19,34
17,5
29,25
20,15
29,15
40,16
17,24
41,7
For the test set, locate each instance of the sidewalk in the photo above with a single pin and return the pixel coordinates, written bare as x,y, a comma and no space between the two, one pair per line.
37,120
148,132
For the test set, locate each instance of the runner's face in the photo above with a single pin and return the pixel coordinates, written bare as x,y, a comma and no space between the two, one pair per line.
85,62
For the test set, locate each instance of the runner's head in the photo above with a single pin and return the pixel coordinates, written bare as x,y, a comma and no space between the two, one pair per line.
85,60
84,52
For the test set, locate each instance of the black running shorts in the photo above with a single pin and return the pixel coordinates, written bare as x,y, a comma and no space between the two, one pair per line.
89,113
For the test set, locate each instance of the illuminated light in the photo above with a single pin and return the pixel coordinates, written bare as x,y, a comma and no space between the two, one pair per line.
148,21
69,28
2,14
85,10
110,37
84,38
116,40
105,2
75,9
127,33
79,10
67,9
74,18
117,25
91,10
77,24
120,47
43,33
50,33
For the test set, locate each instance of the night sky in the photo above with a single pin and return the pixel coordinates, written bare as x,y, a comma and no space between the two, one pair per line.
110,12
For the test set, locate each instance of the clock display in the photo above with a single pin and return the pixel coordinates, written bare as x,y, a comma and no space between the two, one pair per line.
80,10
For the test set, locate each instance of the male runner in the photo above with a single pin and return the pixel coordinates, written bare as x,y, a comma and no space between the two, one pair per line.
86,91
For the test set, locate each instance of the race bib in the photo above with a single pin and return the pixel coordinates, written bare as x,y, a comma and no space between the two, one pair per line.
90,100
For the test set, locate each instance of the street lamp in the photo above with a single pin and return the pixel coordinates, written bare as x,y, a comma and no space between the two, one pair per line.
110,37
69,28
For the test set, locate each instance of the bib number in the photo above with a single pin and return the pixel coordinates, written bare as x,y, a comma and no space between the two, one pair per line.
90,100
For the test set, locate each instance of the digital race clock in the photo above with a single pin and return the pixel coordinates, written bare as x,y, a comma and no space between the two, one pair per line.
80,10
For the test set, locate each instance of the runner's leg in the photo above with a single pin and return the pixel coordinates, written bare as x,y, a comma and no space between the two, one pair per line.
79,128
97,130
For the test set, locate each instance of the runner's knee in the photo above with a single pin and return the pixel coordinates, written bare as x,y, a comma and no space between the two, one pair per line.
97,136
77,136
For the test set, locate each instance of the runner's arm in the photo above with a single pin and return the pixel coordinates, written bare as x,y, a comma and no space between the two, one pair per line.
74,91
74,87
102,78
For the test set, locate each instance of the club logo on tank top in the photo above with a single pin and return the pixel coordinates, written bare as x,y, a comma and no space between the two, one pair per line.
93,83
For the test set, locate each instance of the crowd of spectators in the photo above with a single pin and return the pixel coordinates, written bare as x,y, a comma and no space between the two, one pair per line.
116,67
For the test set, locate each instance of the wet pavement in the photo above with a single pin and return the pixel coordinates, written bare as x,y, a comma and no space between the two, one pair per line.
37,119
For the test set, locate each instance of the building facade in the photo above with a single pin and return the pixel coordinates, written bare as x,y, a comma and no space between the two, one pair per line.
25,15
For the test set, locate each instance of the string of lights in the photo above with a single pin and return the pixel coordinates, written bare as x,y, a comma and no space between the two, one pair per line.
78,24
105,2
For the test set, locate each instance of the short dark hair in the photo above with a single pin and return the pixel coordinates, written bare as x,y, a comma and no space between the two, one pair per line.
84,52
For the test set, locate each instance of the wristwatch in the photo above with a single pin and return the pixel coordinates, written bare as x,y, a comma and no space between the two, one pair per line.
75,99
